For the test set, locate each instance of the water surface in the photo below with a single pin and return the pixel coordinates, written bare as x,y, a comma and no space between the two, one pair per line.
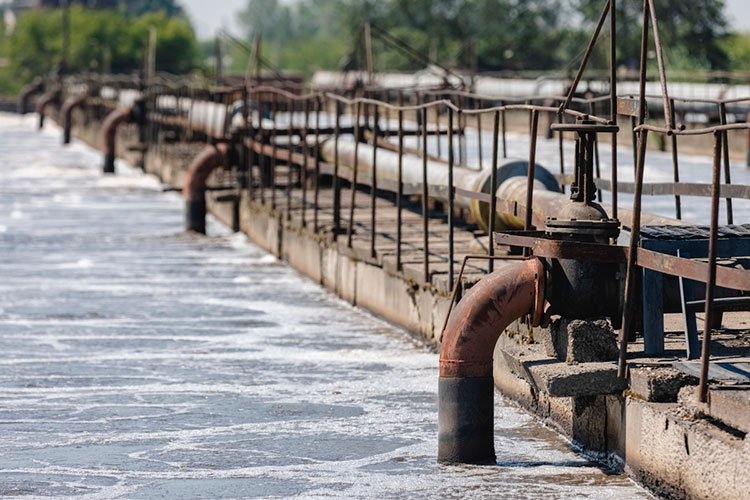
141,362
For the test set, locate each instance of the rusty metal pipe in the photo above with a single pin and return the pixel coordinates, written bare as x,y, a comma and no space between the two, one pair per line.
44,101
412,170
26,92
67,114
466,387
194,186
108,134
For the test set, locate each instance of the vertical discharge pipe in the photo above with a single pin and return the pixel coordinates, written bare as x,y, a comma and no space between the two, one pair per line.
67,114
194,187
108,135
466,387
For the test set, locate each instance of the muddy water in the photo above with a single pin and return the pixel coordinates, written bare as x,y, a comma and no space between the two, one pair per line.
140,362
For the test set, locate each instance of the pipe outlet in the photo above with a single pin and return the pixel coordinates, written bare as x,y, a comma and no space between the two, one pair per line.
466,387
67,113
194,187
108,135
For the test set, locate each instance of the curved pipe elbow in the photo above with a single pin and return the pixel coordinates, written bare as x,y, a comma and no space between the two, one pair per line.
44,101
25,95
194,186
109,133
67,114
514,290
466,387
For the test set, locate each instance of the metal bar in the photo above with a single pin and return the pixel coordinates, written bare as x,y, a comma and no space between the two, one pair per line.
531,168
613,96
643,67
676,169
437,130
374,187
451,201
505,144
289,178
585,61
461,134
635,234
493,191
305,154
316,194
727,165
400,189
660,64
635,231
274,111
479,133
592,109
711,282
562,150
261,158
425,201
336,180
354,175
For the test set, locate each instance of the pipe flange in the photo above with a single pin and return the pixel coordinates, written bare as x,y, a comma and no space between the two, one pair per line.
608,228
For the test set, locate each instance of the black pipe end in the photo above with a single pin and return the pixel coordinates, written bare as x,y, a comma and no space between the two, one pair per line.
195,215
66,135
41,121
465,421
109,164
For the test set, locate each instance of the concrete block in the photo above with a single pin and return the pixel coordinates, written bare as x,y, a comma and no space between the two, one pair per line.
726,404
302,253
581,341
658,383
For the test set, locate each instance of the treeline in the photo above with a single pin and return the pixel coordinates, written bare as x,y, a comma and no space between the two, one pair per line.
486,35
101,40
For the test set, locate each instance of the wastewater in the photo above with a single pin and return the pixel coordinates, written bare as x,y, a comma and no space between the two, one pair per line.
143,362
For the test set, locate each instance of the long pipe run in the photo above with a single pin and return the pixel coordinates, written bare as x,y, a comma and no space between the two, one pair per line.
466,387
437,174
109,133
67,114
194,187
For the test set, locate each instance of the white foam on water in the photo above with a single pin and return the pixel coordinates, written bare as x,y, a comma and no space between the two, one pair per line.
141,362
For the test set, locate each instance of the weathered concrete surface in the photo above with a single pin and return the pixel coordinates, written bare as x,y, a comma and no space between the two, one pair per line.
660,384
580,341
682,457
726,404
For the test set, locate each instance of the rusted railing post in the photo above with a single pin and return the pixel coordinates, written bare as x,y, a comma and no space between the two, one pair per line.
676,168
355,171
400,188
711,282
336,187
727,166
493,193
374,187
425,200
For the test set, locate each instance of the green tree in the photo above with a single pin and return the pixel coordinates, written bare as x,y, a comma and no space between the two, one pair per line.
140,7
691,32
100,40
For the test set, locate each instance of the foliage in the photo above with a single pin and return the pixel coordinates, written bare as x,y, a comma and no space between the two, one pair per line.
486,34
140,7
690,32
105,40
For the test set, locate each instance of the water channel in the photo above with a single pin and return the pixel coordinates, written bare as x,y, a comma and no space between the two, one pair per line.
142,362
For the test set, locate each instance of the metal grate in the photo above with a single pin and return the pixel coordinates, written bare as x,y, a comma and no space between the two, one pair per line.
693,232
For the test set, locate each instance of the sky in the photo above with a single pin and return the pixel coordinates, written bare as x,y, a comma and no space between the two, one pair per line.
210,15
